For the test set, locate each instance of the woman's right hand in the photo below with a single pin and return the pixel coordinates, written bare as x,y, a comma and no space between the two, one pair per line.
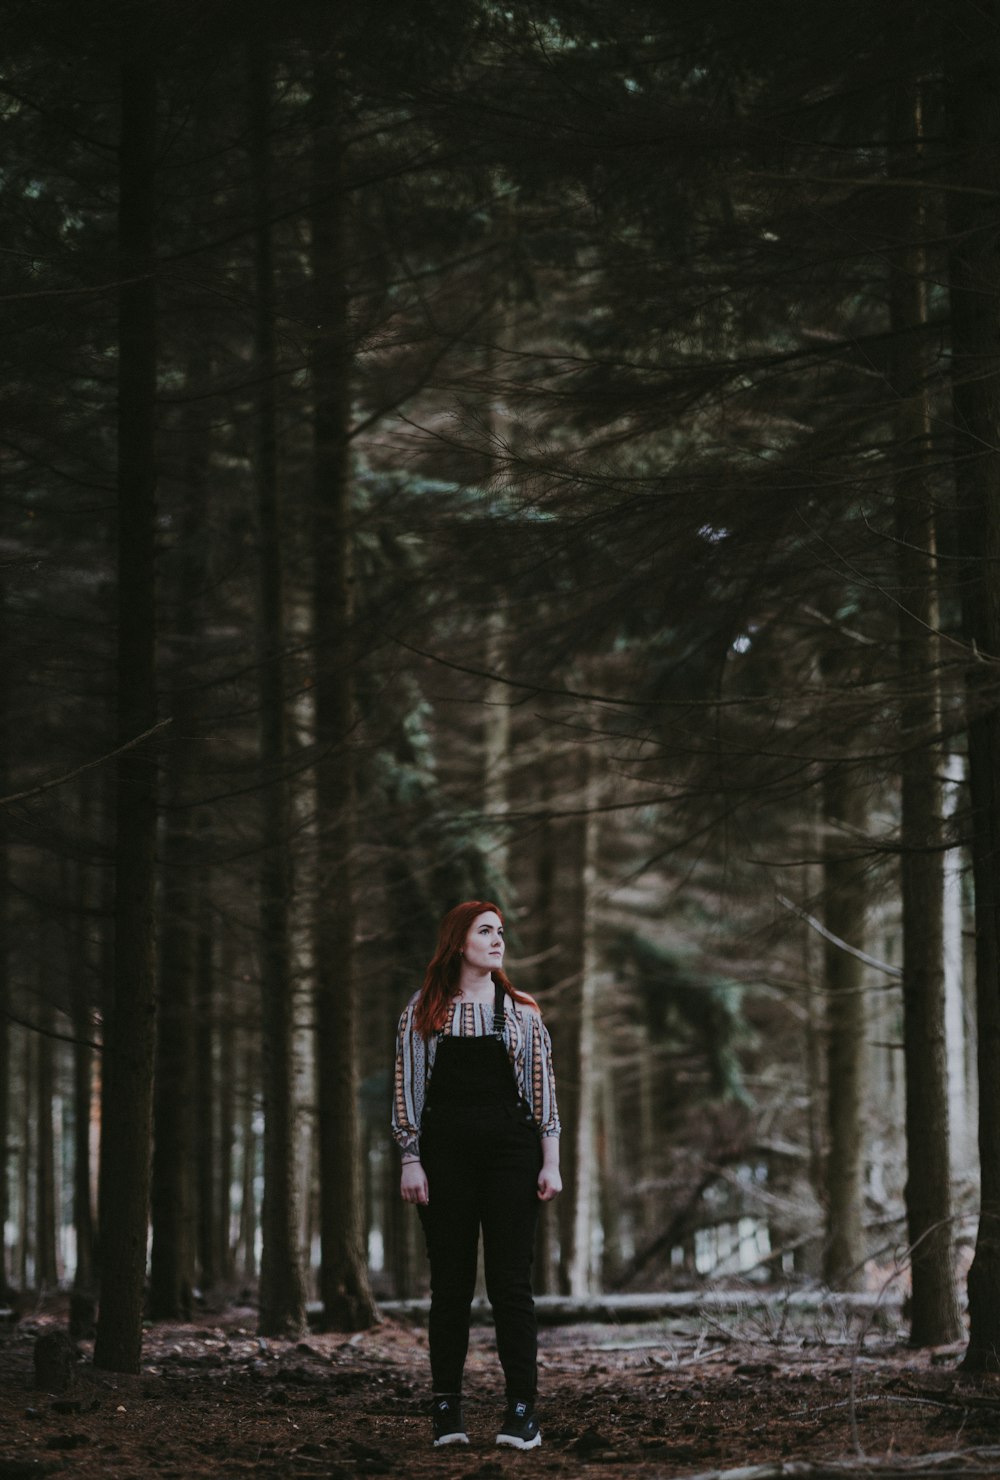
413,1183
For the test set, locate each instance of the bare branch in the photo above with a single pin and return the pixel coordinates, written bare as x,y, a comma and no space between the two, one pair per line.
836,940
43,786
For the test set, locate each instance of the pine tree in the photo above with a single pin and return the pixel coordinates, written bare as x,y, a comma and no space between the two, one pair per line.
126,1106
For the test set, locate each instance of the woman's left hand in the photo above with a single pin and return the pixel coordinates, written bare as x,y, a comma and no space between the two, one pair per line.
549,1183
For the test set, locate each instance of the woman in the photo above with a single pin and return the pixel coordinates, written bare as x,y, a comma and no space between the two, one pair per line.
475,1118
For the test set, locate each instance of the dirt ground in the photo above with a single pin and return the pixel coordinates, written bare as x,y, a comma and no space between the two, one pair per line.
671,1399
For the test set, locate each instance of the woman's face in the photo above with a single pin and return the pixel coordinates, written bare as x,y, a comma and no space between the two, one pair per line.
484,944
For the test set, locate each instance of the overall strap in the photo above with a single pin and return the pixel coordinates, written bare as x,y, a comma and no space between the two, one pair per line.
498,1024
498,995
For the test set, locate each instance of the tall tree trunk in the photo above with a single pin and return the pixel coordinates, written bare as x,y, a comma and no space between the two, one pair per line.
5,1002
246,1243
219,1025
615,1168
585,1268
570,890
81,976
126,1108
959,991
172,1255
282,1300
398,1245
844,911
84,1275
497,739
544,947
649,1139
347,1299
935,1318
28,1125
177,1132
974,271
46,1265
213,1148
809,1254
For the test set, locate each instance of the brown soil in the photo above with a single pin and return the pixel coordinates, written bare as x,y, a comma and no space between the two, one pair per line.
665,1399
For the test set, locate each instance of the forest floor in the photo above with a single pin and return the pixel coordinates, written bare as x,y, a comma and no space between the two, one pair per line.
701,1396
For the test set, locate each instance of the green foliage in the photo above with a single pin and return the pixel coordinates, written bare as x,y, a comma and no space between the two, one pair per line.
686,1005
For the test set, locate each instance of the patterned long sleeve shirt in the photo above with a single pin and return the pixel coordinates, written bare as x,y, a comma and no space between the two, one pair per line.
528,1045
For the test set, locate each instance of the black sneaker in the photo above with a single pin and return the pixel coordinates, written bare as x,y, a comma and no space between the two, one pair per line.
520,1429
446,1418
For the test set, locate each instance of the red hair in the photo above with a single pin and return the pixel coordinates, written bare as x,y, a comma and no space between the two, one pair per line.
445,967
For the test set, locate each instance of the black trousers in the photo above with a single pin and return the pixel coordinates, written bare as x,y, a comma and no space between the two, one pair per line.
482,1172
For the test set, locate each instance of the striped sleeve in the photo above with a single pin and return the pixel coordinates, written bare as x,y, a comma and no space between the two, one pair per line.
540,1077
409,1085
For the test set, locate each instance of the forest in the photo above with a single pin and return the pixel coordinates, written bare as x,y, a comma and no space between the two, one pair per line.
546,454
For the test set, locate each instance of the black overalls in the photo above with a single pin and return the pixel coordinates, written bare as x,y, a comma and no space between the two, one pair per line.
481,1151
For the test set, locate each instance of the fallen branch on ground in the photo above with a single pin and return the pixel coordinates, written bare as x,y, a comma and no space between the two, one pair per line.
982,1461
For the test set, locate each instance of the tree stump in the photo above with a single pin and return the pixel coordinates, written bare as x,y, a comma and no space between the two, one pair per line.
55,1361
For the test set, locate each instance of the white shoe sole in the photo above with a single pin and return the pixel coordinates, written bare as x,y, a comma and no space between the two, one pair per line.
511,1443
451,1439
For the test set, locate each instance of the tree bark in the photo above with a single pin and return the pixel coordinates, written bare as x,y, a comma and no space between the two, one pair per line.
844,916
545,946
27,1160
347,1299
570,843
959,991
974,272
585,1268
172,1255
497,742
220,1028
84,1276
935,1318
615,1176
5,1002
398,1245
213,1147
498,730
247,1239
177,1132
126,1109
282,1299
46,1266
80,979
809,1254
